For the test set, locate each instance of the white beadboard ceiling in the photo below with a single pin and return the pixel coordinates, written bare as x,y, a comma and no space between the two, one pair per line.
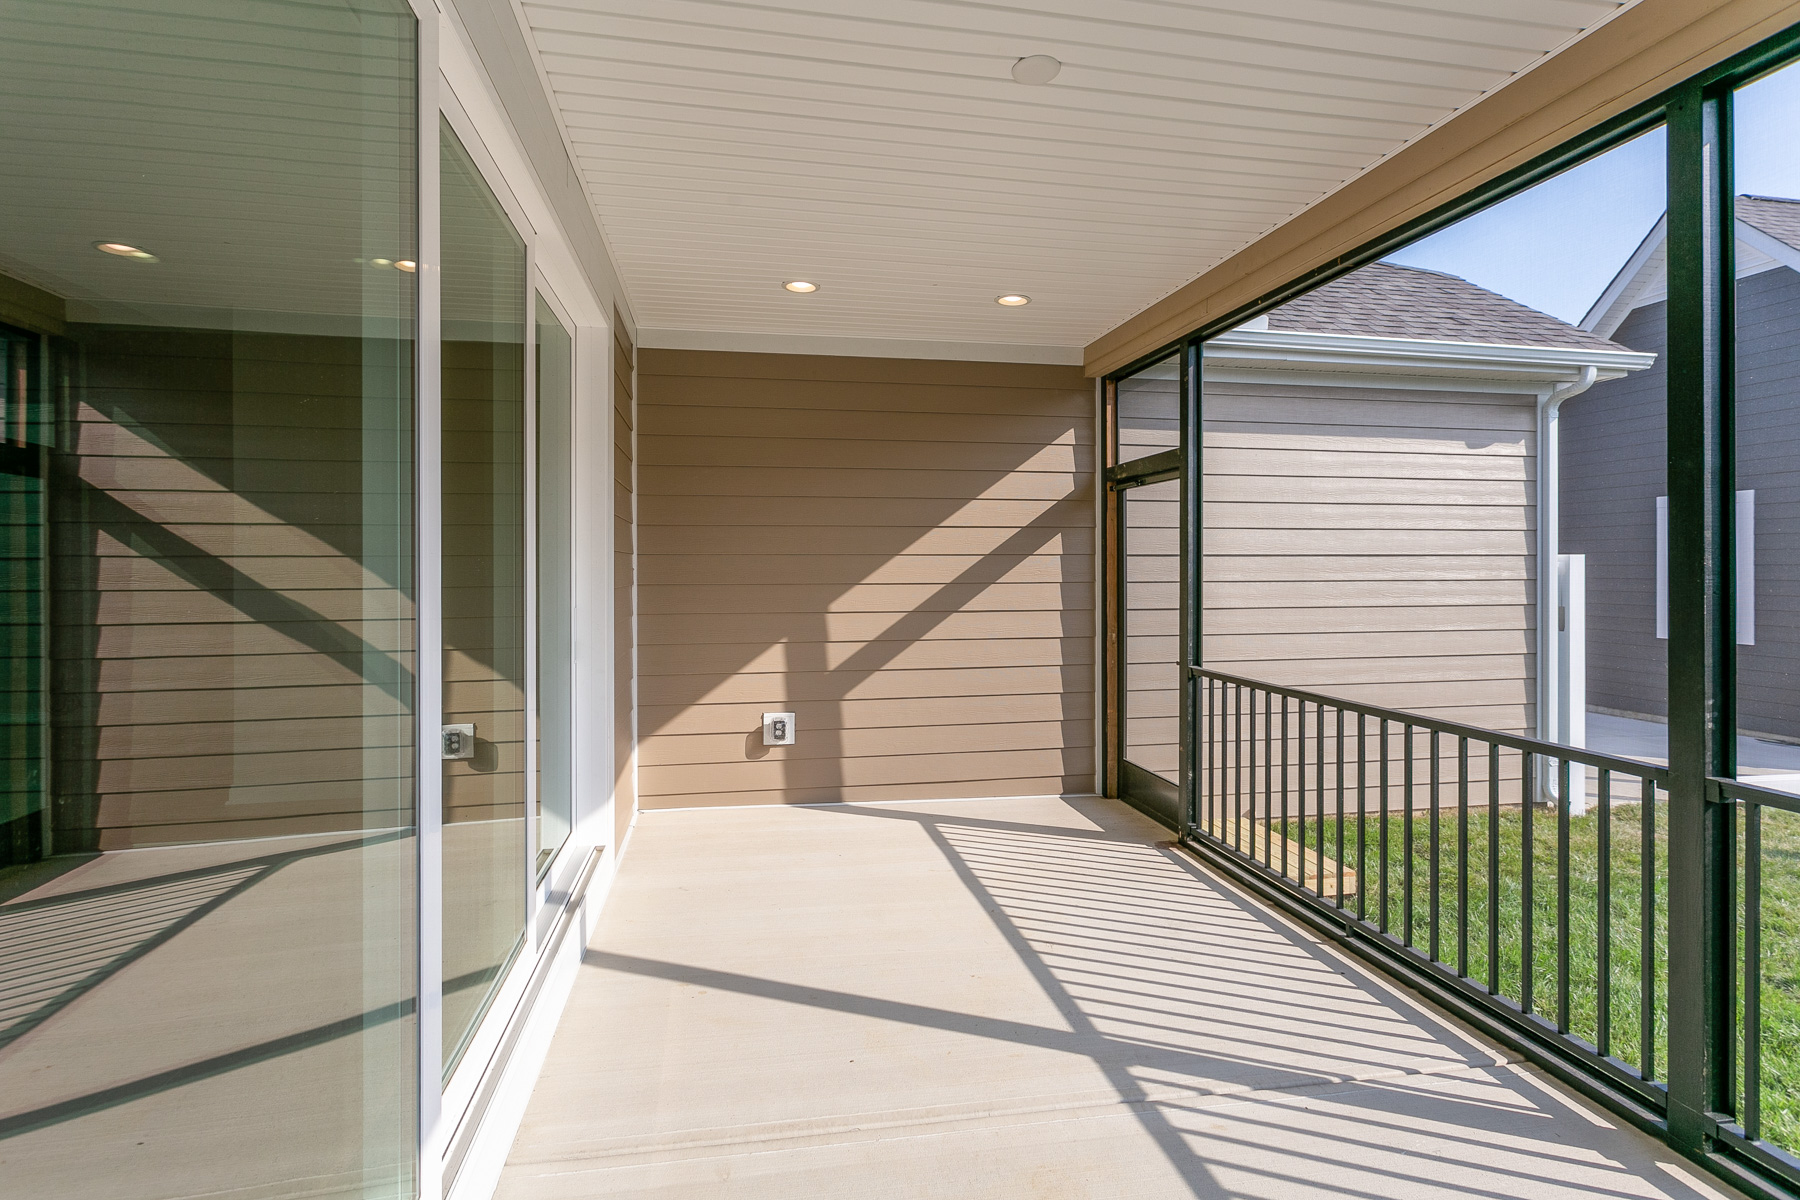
881,149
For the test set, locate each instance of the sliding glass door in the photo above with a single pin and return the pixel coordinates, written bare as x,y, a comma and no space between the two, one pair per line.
208,954
484,594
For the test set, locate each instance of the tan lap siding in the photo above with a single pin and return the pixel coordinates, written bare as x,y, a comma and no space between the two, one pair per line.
899,552
1374,544
624,613
226,664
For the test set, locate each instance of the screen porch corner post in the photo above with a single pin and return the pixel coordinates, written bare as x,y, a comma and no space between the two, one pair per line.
1700,943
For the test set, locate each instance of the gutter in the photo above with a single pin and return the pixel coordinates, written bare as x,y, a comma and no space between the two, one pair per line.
1551,723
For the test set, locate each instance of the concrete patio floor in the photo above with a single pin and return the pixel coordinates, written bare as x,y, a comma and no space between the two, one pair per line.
1013,998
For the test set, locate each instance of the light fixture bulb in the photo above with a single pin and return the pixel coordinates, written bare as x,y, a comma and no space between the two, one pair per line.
1012,300
405,264
800,285
1036,68
381,262
121,250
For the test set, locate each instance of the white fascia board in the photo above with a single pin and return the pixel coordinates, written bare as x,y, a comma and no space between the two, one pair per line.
1643,278
1774,247
1621,295
1348,354
1391,384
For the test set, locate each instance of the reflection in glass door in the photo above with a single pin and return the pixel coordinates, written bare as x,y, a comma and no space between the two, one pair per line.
483,594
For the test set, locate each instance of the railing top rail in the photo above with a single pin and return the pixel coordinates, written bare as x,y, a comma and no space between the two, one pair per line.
1528,745
1737,789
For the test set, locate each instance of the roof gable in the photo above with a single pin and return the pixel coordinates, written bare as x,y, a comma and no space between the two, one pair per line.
1389,300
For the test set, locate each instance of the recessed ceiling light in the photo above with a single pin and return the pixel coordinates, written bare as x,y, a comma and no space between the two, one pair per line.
124,251
1036,68
800,285
406,264
1012,300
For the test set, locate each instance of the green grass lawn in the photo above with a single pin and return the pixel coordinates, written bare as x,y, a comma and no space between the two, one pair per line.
1625,1038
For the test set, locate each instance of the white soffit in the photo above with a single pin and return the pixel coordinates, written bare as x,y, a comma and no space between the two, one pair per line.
883,150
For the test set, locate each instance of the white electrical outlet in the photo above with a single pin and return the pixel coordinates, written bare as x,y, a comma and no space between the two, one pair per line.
778,729
459,742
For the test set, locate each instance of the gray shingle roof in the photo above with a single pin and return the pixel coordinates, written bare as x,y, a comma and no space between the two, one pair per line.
1778,218
1389,300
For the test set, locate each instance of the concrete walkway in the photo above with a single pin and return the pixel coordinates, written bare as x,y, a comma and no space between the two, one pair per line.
1013,998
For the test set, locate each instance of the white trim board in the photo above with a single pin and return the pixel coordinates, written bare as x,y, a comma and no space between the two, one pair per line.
851,347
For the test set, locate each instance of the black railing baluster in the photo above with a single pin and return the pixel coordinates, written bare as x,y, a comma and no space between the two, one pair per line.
1268,808
1237,769
1318,843
1302,797
1339,860
1563,807
1603,917
1214,769
1382,826
1527,951
1752,1113
1406,842
1462,857
1493,871
1338,757
1362,812
1431,870
1647,933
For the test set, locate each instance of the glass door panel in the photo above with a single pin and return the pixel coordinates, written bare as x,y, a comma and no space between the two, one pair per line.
208,951
555,581
484,813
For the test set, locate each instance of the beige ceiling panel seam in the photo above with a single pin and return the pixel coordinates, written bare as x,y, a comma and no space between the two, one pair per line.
1247,37
612,142
975,69
1068,105
1075,170
1625,62
654,115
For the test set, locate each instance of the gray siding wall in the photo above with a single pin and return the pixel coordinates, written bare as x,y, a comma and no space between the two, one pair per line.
1614,468
1768,433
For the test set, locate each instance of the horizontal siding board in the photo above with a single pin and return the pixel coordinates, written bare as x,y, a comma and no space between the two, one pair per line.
742,718
836,540
897,654
943,489
884,598
860,570
806,425
766,629
796,686
865,454
703,516
843,369
701,748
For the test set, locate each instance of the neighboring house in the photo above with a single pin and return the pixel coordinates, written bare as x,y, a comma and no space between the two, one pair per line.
1373,485
1614,455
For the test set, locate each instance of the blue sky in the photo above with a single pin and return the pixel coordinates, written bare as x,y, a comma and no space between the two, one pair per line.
1556,246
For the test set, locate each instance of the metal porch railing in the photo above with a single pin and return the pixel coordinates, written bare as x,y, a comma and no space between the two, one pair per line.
1527,877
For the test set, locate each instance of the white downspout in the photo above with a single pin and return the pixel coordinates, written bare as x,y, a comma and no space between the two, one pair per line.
1549,722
